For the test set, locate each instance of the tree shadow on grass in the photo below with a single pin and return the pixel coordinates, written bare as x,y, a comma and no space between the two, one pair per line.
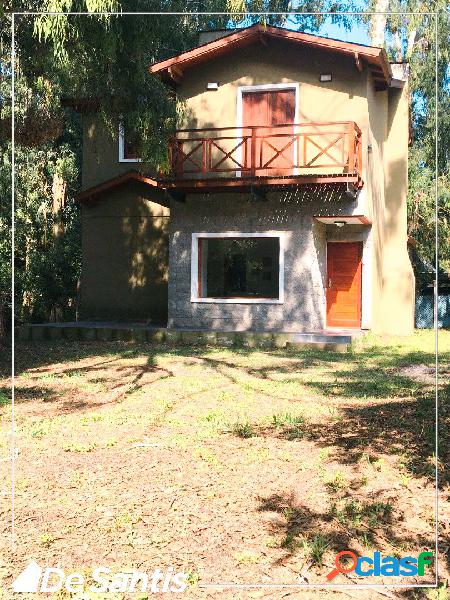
405,428
31,355
46,363
24,394
355,526
403,424
352,376
123,379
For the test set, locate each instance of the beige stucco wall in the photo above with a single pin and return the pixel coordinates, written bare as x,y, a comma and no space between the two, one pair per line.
124,258
374,185
100,160
342,99
387,183
397,283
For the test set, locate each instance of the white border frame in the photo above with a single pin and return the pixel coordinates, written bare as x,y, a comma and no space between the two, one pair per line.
13,445
122,158
237,234
259,88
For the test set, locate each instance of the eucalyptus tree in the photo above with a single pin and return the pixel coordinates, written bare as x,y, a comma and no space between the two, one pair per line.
98,62
412,38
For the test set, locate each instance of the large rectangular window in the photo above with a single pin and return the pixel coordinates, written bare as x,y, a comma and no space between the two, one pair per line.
237,267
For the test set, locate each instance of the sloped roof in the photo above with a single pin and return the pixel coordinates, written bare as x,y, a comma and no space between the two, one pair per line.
173,68
95,191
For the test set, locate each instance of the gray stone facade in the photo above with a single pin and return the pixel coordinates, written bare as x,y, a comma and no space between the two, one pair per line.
290,211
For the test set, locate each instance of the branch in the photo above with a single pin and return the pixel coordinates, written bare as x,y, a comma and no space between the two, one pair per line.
411,41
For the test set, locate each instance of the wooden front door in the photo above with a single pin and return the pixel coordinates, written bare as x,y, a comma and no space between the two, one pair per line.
273,151
344,284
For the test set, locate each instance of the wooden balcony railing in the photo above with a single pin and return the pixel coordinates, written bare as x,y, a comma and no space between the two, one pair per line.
332,148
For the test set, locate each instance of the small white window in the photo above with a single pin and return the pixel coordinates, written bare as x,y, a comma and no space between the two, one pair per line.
238,268
128,146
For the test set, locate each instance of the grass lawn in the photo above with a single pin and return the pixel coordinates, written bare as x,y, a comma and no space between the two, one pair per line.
233,465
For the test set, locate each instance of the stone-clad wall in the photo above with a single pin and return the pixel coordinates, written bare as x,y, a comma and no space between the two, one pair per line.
305,256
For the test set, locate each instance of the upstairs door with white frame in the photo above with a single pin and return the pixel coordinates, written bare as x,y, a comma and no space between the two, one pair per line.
273,151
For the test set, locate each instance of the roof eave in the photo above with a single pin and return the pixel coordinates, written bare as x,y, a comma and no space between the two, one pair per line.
245,36
110,184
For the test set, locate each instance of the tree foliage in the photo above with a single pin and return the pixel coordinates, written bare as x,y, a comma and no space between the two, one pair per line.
101,61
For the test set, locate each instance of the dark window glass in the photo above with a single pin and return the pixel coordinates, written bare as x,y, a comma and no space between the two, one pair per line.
130,145
239,267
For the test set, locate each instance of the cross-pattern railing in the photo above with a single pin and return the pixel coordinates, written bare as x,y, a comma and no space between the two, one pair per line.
291,149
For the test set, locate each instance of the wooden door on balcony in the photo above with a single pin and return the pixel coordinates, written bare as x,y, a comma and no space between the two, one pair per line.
344,284
274,145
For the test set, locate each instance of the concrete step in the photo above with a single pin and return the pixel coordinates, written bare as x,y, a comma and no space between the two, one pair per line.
141,333
331,346
322,338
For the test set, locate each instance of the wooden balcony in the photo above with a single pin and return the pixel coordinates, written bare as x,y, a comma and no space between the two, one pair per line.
256,156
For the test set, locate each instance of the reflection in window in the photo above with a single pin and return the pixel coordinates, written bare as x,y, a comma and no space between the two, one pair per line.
238,267
128,144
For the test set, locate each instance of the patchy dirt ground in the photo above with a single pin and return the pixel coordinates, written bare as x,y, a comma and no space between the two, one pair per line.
234,466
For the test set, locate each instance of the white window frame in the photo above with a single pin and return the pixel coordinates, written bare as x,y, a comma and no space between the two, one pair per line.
237,234
269,87
122,158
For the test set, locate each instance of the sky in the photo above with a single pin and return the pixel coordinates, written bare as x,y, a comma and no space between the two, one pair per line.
358,33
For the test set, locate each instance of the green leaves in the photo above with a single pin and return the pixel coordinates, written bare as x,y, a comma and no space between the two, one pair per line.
60,29
412,37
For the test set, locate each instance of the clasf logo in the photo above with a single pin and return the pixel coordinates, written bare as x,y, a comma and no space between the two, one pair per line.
377,566
36,579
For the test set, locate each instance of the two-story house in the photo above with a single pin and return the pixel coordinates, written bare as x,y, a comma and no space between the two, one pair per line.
285,209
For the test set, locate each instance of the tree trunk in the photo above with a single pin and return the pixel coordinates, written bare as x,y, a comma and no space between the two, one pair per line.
2,325
378,26
59,198
59,188
411,42
27,299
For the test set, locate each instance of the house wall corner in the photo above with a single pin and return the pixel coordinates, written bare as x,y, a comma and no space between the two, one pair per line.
397,299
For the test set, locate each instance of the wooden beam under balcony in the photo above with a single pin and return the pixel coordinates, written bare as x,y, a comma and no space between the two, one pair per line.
258,185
